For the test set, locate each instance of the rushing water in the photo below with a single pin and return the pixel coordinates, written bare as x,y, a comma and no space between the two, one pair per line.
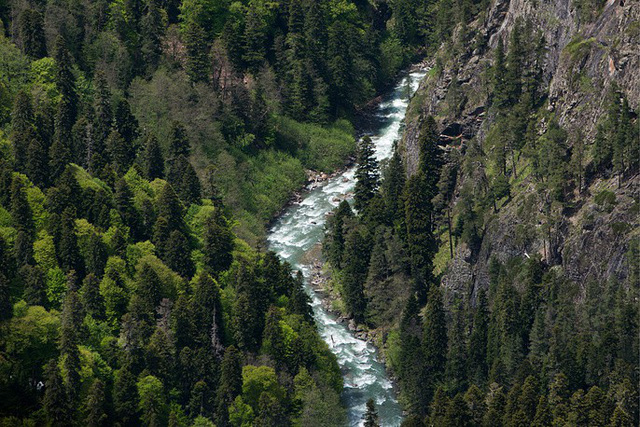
301,227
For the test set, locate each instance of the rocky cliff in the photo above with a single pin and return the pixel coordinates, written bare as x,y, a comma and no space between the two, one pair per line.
586,52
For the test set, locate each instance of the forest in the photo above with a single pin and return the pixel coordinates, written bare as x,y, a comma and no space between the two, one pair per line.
535,348
146,145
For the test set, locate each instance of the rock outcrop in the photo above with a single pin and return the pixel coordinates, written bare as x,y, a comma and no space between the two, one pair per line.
590,241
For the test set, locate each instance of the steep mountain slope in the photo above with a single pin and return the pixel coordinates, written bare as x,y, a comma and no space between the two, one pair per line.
582,62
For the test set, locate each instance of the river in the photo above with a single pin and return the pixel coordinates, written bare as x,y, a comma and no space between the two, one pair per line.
301,227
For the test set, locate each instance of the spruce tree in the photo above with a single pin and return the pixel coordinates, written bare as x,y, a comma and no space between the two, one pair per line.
478,341
197,65
421,243
170,208
20,208
392,186
37,166
127,126
334,248
97,405
55,401
123,199
34,285
92,299
230,382
367,175
356,264
23,249
434,341
152,160
103,113
207,314
371,416
6,309
71,323
68,251
119,152
152,29
125,397
22,131
178,254
31,30
96,256
218,243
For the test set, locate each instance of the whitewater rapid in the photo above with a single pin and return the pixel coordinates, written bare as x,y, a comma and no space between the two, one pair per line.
301,227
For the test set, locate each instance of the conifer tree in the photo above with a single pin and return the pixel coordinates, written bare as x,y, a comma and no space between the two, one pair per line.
478,341
392,186
127,126
356,264
23,249
170,208
70,339
6,309
96,256
20,208
55,401
153,162
37,166
371,416
31,29
123,199
119,152
207,314
97,405
230,382
218,243
336,233
197,66
92,300
103,113
125,397
22,132
367,175
68,251
177,254
152,29
421,243
434,341
34,285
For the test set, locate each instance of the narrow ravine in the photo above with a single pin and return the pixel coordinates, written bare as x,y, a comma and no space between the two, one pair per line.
301,227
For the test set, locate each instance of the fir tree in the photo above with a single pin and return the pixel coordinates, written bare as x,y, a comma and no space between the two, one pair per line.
153,162
22,132
125,397
197,65
367,176
20,208
37,166
336,232
218,243
119,152
97,405
6,309
103,114
34,286
68,251
230,382
127,126
70,339
371,416
177,254
92,300
31,29
356,264
435,335
55,402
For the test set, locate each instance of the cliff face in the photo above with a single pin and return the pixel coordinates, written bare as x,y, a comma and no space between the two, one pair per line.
590,238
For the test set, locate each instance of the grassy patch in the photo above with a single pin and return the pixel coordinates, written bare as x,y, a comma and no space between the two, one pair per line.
318,148
579,47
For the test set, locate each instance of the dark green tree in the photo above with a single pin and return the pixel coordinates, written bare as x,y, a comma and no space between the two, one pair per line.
68,252
434,341
97,405
197,65
22,128
177,254
230,382
367,174
152,160
218,243
357,251
31,29
55,401
34,285
92,300
20,208
371,416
